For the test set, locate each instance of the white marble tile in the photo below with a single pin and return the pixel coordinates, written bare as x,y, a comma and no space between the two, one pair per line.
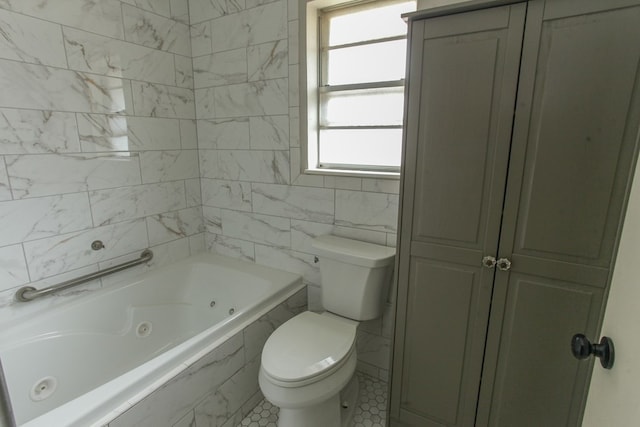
371,236
312,204
269,132
294,89
224,134
303,233
299,178
201,39
123,133
269,230
30,219
155,100
188,134
151,30
292,6
294,40
205,10
218,407
44,88
197,244
28,131
208,163
184,71
204,103
31,40
121,204
13,268
160,166
261,98
180,10
373,349
231,247
47,174
294,127
221,68
189,420
193,192
254,26
288,260
343,182
370,211
212,219
255,166
234,195
169,226
169,403
256,3
267,60
5,189
391,186
102,17
54,255
103,55
161,7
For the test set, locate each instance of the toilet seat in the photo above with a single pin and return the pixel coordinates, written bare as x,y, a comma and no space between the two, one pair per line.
307,348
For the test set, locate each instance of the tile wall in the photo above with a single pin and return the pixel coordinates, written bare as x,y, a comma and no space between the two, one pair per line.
171,124
256,204
97,138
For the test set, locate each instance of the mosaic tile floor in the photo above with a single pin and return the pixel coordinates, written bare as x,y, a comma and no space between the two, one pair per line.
371,410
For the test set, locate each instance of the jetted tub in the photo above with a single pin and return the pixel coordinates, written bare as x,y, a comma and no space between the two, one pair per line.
90,359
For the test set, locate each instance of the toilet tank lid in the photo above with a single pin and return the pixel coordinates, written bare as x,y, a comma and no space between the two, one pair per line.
353,251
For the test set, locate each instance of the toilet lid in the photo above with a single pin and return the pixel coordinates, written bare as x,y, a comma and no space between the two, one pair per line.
306,346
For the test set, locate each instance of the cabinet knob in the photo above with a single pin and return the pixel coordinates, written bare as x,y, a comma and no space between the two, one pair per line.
581,348
503,264
489,261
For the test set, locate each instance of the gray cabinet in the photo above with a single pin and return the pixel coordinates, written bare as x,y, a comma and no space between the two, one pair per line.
521,131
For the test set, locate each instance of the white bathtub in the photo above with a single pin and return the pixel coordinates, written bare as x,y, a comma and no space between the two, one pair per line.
97,355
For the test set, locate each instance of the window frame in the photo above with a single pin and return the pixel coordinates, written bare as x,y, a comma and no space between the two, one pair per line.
312,71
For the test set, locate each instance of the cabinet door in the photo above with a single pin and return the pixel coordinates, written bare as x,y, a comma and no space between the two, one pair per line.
573,148
461,97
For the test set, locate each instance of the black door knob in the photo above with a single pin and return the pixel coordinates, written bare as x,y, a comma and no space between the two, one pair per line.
581,348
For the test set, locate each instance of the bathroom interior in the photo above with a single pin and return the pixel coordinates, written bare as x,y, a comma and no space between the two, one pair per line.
175,126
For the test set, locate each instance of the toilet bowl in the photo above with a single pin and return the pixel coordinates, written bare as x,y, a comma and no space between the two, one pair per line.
309,360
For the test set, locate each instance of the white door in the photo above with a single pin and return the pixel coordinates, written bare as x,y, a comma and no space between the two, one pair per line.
614,395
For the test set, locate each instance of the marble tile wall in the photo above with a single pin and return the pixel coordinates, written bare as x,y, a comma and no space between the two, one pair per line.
256,204
97,139
221,388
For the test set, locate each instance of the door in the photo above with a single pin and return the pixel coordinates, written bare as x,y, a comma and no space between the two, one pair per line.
464,72
573,148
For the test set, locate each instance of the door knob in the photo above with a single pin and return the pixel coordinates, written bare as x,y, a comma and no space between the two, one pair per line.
489,261
582,348
503,264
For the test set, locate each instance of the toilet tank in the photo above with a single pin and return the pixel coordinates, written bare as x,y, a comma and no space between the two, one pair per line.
355,276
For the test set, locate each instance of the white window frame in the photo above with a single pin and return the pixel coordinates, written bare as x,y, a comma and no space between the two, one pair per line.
309,84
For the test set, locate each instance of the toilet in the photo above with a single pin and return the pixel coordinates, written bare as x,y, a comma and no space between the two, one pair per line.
308,363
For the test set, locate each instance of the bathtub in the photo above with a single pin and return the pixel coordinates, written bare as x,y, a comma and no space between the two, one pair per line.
84,362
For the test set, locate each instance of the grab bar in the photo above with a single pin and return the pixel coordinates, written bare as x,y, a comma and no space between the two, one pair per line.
29,293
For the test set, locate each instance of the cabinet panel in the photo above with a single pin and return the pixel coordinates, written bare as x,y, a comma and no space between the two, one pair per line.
538,377
576,156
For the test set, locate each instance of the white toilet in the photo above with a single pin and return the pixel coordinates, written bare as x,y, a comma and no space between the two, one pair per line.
309,360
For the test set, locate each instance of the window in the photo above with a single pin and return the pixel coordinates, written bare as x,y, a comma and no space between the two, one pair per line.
355,103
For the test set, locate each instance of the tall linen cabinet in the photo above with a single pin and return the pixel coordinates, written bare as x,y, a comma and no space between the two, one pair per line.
522,123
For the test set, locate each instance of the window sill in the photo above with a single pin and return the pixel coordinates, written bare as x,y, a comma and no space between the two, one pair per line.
354,173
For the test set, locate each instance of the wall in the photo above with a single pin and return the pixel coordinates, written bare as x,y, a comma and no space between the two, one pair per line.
97,139
256,204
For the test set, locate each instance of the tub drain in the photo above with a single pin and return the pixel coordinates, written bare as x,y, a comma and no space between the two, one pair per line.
232,310
44,388
143,329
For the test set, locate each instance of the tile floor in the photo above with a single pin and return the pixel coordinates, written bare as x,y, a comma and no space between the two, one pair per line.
371,410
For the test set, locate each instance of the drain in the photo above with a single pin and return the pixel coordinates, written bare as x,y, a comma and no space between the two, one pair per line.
232,310
212,304
144,329
44,388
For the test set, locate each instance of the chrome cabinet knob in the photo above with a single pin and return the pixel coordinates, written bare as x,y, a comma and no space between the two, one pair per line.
489,261
503,264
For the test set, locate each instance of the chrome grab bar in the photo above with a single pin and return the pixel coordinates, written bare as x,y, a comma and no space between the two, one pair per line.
29,293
